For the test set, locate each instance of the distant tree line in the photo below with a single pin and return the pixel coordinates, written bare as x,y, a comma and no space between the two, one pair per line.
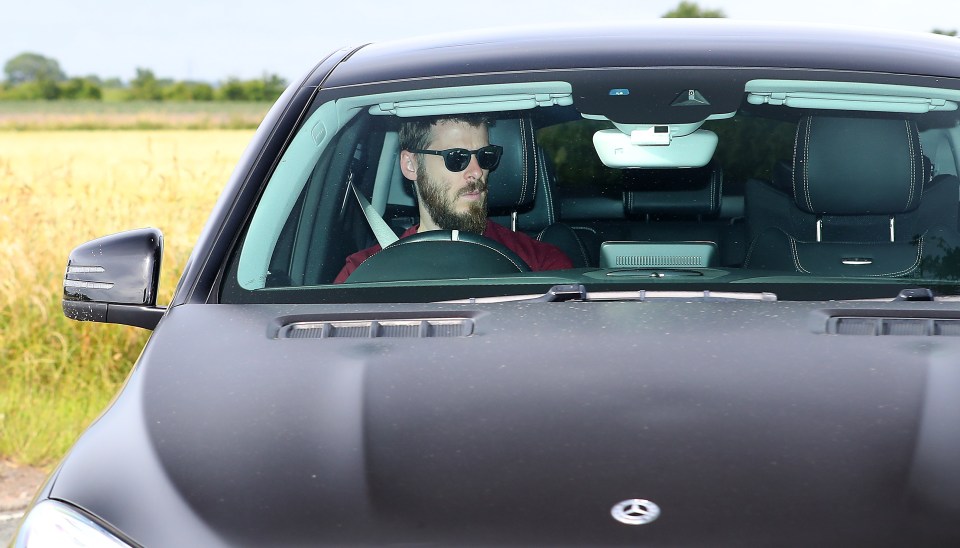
691,10
31,76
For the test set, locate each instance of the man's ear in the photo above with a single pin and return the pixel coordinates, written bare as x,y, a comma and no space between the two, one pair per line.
408,165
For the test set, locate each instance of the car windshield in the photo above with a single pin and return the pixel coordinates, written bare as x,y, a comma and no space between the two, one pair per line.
809,185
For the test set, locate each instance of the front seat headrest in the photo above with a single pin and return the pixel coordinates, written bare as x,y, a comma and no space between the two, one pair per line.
857,166
512,184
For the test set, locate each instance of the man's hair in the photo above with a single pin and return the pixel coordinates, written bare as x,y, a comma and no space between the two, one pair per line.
415,132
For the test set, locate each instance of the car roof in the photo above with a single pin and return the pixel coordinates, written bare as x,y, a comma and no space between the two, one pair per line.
663,42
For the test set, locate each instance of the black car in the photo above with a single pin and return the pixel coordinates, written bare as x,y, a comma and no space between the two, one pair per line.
679,283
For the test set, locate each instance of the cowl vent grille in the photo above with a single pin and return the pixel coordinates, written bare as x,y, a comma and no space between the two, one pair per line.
365,329
893,326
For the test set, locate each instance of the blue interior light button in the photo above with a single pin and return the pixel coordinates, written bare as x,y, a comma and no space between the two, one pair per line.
619,91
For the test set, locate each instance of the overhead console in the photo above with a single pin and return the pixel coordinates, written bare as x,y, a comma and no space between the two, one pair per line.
662,96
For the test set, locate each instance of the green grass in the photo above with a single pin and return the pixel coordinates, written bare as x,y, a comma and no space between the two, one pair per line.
57,379
57,190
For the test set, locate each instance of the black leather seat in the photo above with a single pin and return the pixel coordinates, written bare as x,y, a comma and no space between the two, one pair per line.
681,205
663,205
673,195
658,205
860,202
521,195
511,187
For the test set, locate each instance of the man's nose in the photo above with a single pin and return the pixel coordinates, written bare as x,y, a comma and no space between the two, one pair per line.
473,168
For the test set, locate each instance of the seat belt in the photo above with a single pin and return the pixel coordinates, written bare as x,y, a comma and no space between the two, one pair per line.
381,230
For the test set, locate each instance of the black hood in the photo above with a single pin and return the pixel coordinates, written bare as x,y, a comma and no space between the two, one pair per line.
740,421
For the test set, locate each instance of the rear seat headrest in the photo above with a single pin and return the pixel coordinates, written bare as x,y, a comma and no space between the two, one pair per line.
673,192
857,166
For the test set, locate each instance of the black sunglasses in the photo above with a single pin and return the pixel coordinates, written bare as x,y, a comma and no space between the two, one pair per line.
457,159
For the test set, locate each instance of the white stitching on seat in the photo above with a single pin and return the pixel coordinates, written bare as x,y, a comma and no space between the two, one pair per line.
536,163
796,255
753,243
523,163
716,190
712,188
923,171
551,217
913,167
886,274
580,246
906,271
583,252
805,175
583,249
746,259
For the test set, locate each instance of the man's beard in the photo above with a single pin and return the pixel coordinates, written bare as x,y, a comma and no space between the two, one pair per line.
435,201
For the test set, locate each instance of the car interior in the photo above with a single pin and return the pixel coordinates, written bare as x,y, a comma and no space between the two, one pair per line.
837,180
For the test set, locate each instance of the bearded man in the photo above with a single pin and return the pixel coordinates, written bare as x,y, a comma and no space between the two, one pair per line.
448,159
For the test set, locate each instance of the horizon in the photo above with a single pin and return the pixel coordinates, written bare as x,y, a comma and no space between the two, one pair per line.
213,41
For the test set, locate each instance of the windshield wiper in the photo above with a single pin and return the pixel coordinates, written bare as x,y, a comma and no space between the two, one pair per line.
557,293
915,294
578,292
564,292
686,296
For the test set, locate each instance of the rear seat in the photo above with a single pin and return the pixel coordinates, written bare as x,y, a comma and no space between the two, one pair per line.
663,205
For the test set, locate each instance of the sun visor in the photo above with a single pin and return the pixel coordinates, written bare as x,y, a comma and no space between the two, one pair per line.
467,99
867,97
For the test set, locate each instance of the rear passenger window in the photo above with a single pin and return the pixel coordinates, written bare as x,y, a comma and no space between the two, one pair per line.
578,169
749,148
704,205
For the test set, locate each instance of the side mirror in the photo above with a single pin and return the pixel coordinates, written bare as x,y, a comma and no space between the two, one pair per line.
114,279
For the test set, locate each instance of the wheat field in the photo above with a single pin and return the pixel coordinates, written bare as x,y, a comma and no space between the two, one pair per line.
145,115
59,189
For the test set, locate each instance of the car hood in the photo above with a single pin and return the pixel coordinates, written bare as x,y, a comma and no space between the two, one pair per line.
743,422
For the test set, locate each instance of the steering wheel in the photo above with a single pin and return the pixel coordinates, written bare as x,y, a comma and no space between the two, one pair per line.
438,254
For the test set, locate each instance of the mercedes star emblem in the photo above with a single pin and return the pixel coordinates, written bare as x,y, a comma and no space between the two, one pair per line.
635,511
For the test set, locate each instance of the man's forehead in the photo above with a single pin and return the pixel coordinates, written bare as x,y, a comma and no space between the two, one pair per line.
448,123
442,128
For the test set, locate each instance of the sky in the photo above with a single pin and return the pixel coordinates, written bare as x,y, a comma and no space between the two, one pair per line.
213,40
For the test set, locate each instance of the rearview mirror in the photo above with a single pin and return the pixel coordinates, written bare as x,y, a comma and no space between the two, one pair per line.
114,279
619,150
